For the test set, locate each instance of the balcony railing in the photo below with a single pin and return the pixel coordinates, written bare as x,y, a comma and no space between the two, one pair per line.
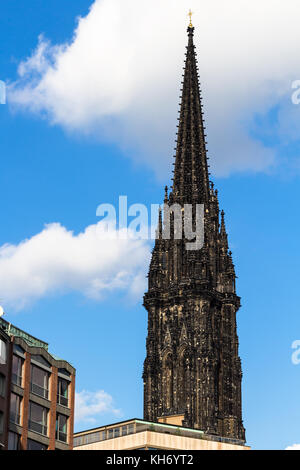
16,379
37,427
38,390
61,436
141,426
62,400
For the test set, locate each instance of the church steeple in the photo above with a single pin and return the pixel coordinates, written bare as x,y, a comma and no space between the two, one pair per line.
191,181
192,371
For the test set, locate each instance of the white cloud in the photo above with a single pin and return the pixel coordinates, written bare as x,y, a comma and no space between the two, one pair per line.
89,405
293,447
57,260
119,76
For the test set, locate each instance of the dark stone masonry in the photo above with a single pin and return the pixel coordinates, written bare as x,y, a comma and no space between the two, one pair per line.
192,367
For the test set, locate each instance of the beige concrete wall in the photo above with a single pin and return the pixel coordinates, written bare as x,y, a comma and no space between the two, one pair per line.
159,441
175,419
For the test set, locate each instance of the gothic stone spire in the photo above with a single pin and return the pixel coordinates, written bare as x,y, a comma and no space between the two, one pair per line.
192,368
190,182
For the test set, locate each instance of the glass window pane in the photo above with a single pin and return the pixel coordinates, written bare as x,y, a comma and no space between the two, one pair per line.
38,418
2,352
39,377
130,428
1,422
63,388
34,445
61,427
2,385
62,423
15,408
62,391
39,381
17,366
37,413
13,441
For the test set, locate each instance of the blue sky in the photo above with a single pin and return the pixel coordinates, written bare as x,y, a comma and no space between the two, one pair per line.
59,162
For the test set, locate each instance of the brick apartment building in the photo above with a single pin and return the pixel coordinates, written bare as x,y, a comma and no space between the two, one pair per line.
37,394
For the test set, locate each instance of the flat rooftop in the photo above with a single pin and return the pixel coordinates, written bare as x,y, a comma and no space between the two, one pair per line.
135,426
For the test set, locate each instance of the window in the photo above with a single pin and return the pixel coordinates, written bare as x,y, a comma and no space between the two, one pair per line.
2,352
34,445
62,391
2,385
93,437
130,428
78,441
13,441
127,429
61,427
17,367
114,432
1,422
39,383
15,408
38,418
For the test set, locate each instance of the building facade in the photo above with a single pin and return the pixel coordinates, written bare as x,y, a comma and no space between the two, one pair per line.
5,379
192,371
138,434
37,393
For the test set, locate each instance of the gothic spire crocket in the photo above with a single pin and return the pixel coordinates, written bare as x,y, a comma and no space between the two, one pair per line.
192,369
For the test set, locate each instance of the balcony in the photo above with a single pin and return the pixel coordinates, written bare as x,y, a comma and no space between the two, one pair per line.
37,427
38,390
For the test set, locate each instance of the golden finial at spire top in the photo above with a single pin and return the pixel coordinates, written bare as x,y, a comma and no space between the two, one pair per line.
190,15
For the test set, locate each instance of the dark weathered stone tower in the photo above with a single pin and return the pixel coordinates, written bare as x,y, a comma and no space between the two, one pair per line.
192,369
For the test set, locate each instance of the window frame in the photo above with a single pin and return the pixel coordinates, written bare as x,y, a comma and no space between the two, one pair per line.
3,351
15,414
2,385
33,425
1,422
16,438
17,377
62,399
38,443
60,433
37,389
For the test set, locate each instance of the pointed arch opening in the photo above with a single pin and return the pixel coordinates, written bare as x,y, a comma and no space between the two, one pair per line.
182,377
168,374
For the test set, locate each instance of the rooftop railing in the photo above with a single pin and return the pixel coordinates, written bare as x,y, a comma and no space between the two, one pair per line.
37,427
38,390
136,426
